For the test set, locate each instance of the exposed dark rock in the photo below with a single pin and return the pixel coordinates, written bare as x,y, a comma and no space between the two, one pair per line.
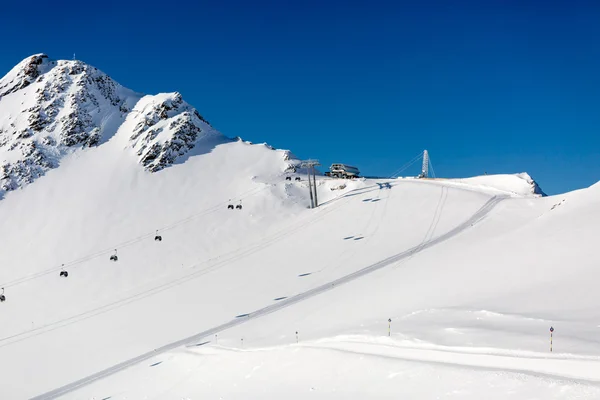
184,136
67,97
28,74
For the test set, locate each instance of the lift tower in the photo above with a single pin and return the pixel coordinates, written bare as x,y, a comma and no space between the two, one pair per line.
310,167
425,168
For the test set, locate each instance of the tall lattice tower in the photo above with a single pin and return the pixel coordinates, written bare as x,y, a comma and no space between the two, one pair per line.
425,168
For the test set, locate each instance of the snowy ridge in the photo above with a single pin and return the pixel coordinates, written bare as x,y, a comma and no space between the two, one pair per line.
515,184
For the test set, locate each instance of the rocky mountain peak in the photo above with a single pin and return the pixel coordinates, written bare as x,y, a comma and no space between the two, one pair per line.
52,108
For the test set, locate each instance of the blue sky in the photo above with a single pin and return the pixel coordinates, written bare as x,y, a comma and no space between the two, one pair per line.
485,86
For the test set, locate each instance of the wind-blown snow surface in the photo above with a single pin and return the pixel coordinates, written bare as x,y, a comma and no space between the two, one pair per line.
478,300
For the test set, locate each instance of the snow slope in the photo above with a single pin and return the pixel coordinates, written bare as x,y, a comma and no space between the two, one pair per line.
470,319
215,264
231,256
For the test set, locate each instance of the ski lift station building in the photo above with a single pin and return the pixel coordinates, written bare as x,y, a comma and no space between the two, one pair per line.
342,171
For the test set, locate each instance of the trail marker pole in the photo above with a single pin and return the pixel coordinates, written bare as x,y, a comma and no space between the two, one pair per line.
389,327
315,186
312,204
216,340
242,343
296,336
551,331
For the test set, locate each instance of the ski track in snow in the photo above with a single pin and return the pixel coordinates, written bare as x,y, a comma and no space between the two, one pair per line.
478,216
580,370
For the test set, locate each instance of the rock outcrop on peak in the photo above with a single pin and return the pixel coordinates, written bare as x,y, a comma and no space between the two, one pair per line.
535,188
165,128
22,75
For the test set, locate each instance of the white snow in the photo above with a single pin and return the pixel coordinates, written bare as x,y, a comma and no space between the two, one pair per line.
483,291
472,273
335,370
516,184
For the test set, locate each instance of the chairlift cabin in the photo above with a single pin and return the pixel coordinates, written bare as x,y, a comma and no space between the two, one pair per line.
114,257
2,296
298,178
239,206
288,178
157,238
63,273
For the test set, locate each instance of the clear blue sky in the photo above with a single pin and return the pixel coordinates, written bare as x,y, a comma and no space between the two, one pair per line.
485,86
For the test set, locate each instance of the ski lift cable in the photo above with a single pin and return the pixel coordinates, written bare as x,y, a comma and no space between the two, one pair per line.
104,252
157,289
407,165
162,287
74,263
431,167
130,242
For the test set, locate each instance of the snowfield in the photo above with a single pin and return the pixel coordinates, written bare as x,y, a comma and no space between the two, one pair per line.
516,184
398,288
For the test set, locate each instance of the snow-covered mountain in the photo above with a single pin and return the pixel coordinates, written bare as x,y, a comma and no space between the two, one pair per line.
52,108
213,279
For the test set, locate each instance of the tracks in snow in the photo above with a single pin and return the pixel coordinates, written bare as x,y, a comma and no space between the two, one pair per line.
572,369
478,216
